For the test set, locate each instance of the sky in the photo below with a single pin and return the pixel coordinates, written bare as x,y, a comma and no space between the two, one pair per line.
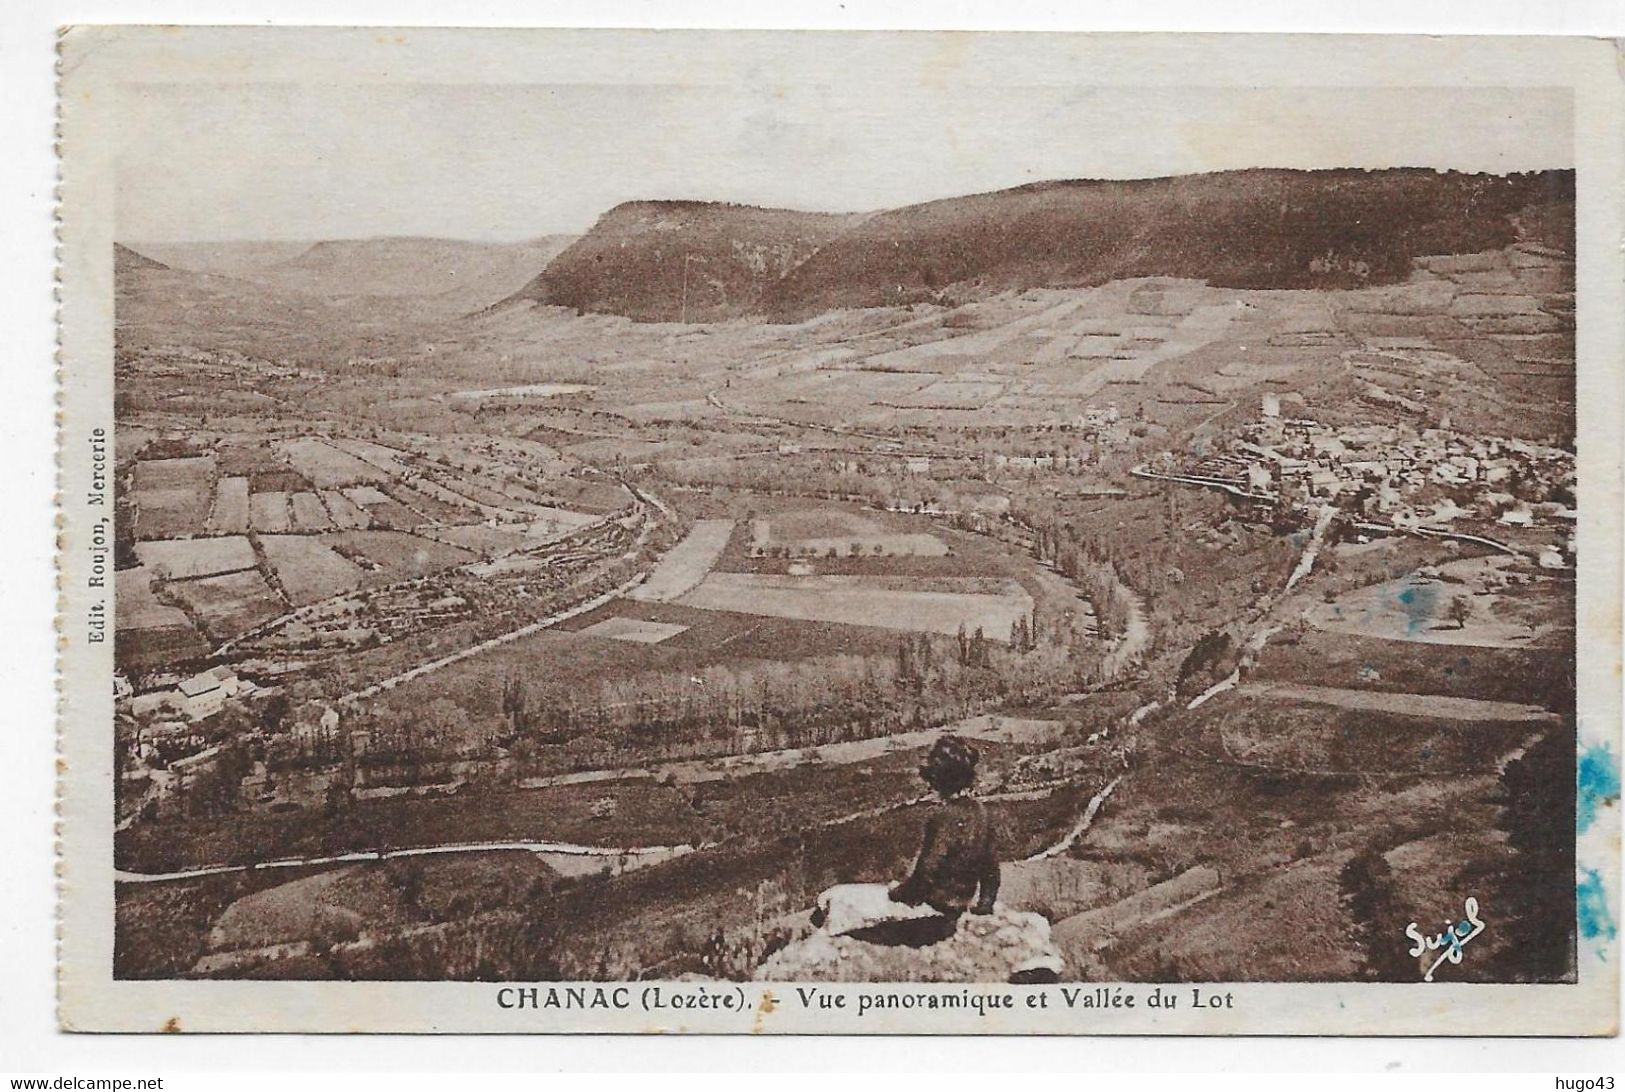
304,160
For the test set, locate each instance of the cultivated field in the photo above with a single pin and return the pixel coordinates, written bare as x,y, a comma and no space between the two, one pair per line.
184,558
389,556
836,532
268,512
327,466
308,569
228,605
309,515
687,563
230,512
1493,613
150,631
889,602
483,540
637,630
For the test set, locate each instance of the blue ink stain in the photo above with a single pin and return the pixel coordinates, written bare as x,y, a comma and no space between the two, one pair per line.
1591,907
1597,784
1419,601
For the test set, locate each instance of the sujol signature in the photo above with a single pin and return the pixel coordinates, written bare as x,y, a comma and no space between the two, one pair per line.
1453,939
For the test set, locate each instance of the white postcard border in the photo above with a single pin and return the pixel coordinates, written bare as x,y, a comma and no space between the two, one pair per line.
95,60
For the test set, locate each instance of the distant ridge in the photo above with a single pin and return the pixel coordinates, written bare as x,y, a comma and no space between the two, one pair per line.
126,260
475,272
447,277
233,257
1262,228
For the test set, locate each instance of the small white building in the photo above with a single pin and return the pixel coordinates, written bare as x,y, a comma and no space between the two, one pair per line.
205,694
1520,516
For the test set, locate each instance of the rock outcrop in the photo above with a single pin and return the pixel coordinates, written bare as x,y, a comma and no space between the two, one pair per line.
859,941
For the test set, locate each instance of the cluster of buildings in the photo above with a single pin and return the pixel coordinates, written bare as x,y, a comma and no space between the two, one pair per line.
170,746
192,699
1430,478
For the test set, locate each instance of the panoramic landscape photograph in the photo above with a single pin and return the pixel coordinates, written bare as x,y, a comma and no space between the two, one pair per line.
606,533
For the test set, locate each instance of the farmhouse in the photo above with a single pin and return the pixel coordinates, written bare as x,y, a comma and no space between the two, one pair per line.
204,694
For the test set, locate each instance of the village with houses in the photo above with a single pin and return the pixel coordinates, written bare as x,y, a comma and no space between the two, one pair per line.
1398,477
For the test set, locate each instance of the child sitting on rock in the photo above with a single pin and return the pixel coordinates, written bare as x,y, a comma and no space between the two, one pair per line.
956,870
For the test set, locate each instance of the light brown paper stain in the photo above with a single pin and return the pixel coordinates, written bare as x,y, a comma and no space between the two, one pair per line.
769,1004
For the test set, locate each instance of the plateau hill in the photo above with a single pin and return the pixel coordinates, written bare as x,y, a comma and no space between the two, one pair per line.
664,261
1241,229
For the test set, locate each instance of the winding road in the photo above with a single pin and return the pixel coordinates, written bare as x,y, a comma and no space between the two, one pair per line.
1260,637
634,857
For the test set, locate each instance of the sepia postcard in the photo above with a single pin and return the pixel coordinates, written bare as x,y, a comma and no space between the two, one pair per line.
811,532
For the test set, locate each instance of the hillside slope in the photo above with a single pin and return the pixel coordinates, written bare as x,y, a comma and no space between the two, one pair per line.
1242,229
127,261
232,257
157,306
661,261
1245,229
443,277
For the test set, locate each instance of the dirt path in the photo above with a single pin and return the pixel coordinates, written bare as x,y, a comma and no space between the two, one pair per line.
1437,706
1260,637
485,646
629,857
1317,539
1136,637
1082,826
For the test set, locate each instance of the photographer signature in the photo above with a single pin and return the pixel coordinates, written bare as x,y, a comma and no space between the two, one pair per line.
1453,939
